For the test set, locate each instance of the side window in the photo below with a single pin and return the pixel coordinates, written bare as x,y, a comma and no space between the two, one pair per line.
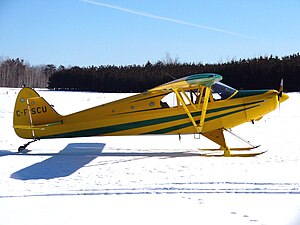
193,96
169,101
189,97
222,91
216,96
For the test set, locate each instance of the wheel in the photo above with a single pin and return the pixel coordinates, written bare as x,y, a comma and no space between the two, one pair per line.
21,148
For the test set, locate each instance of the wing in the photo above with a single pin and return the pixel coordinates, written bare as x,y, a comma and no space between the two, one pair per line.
192,81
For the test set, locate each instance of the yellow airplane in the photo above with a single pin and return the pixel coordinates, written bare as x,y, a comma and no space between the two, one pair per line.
196,104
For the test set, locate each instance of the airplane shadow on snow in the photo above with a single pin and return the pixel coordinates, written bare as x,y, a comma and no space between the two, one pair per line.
73,157
5,153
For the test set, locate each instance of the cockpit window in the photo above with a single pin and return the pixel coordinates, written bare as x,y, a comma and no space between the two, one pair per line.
222,91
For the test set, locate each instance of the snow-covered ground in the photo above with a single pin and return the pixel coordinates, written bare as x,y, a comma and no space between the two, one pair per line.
148,179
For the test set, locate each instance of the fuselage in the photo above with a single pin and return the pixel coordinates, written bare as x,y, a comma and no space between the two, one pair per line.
143,114
151,112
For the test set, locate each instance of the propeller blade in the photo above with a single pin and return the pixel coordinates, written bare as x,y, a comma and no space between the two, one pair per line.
280,91
281,96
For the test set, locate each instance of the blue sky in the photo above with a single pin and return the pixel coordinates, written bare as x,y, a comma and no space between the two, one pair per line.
119,32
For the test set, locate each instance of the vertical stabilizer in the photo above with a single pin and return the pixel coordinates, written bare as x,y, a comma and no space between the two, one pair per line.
32,113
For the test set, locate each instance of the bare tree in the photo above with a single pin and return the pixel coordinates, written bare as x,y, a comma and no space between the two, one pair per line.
16,73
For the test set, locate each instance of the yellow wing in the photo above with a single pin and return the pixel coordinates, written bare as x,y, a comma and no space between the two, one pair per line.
190,82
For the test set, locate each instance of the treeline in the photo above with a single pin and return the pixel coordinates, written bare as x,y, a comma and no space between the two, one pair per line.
17,72
257,73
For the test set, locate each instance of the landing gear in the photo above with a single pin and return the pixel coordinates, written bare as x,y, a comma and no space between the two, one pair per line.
23,149
227,152
217,136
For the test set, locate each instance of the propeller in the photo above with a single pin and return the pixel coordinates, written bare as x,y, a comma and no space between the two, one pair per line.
281,95
280,91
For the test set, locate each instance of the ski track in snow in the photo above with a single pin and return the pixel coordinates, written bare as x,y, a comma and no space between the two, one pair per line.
148,179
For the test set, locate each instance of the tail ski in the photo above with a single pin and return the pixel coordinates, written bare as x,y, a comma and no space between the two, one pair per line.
32,113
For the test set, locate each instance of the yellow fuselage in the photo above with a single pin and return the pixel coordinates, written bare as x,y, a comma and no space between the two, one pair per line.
141,114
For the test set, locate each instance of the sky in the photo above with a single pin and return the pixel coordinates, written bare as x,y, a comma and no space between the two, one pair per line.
119,32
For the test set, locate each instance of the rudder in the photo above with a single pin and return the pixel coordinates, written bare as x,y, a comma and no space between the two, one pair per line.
32,113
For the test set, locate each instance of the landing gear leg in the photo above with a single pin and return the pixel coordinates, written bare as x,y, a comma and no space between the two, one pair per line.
226,151
217,136
23,147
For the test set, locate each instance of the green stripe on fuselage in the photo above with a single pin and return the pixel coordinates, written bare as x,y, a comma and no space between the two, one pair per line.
248,93
185,125
118,127
133,125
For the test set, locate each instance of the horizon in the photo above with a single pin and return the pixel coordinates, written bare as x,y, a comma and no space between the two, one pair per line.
166,60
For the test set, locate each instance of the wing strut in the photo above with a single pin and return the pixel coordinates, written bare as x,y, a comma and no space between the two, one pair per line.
204,106
203,97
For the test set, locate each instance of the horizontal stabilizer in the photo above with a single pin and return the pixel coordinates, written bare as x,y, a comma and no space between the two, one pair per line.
39,127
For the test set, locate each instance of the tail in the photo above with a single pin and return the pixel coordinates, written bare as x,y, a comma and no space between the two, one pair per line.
32,114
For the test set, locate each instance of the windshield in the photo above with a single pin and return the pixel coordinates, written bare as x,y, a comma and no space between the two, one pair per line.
222,91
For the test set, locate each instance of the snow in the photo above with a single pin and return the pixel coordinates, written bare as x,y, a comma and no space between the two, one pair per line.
148,179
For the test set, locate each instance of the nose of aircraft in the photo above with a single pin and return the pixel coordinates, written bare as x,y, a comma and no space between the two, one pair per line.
283,97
